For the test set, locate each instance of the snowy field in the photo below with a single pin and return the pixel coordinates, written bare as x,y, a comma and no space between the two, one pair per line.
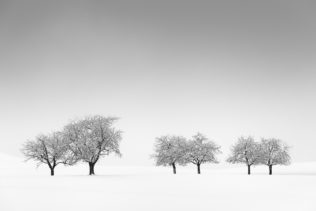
219,187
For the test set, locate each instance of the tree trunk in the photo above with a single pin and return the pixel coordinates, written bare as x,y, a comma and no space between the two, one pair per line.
249,171
174,168
91,168
198,168
270,169
52,171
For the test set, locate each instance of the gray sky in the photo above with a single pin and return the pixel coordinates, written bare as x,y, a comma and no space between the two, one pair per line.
224,68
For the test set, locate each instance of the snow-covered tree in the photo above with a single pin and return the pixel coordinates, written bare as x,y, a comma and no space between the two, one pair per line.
169,151
274,152
93,137
247,151
50,149
201,150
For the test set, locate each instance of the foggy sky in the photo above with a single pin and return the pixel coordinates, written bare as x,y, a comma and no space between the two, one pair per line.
224,68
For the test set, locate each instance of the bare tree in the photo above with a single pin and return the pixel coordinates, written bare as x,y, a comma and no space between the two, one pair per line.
170,150
274,152
93,137
49,149
201,150
247,151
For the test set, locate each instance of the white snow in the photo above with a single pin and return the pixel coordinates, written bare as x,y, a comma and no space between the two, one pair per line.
219,187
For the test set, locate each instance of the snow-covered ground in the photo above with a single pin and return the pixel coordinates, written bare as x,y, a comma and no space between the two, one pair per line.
219,187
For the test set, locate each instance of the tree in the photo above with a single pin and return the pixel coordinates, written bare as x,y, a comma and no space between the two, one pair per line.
92,138
170,150
49,149
201,150
274,152
247,151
